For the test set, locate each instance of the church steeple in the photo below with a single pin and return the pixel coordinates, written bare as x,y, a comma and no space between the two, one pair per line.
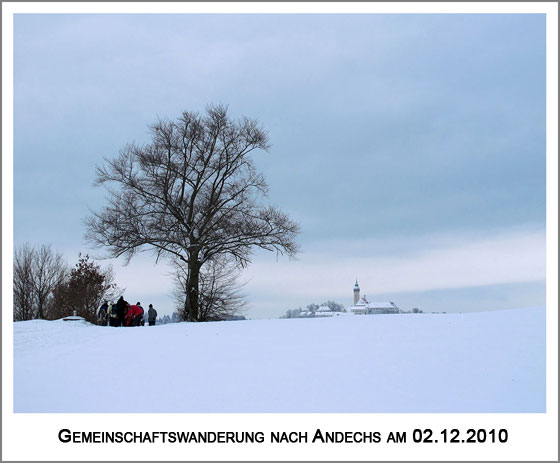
356,292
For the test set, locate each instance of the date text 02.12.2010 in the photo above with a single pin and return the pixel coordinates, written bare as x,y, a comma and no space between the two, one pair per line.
455,436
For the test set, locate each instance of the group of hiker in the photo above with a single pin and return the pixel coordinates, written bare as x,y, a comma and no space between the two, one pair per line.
121,313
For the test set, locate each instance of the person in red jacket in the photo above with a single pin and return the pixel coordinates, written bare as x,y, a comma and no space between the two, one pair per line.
133,315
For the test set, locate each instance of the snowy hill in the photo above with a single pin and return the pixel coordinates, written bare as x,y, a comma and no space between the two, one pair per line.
472,362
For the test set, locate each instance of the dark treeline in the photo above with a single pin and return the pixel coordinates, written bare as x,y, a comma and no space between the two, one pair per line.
46,287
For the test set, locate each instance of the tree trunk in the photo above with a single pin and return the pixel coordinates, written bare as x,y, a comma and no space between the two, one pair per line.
40,311
191,299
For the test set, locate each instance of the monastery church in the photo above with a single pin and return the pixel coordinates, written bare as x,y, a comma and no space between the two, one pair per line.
360,307
363,307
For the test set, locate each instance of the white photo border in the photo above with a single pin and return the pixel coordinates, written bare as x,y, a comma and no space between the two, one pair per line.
35,436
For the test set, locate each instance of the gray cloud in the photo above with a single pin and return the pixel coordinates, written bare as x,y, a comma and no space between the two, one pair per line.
381,125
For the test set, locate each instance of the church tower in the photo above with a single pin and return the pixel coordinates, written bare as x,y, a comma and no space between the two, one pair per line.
356,292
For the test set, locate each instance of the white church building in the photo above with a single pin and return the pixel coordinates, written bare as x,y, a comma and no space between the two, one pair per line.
364,307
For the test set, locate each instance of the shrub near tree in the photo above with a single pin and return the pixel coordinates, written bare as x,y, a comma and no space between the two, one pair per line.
84,291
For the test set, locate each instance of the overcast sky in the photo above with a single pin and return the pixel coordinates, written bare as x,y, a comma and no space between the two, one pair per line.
410,148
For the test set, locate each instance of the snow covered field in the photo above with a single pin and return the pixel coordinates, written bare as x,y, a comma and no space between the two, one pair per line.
472,362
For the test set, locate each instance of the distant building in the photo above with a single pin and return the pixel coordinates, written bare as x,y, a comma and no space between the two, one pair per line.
363,307
324,311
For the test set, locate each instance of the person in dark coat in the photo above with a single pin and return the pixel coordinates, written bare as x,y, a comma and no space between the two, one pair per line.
152,315
113,315
141,318
122,309
102,314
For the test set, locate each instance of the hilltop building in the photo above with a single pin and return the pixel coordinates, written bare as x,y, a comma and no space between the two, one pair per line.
364,307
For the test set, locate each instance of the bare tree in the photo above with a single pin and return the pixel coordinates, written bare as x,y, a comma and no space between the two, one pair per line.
23,283
49,271
220,295
37,272
192,194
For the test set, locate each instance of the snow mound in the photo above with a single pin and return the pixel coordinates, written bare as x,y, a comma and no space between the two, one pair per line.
472,362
